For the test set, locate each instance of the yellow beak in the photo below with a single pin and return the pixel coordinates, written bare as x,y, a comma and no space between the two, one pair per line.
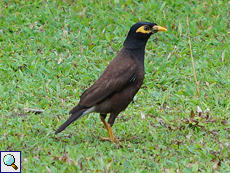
159,28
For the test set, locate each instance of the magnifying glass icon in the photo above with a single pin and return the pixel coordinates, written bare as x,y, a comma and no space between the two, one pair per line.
9,160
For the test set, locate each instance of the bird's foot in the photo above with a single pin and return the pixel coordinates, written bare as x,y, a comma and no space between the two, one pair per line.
117,140
105,138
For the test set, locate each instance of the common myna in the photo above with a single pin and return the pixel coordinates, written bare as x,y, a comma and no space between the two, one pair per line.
115,88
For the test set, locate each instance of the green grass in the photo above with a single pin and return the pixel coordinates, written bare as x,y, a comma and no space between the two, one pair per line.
51,51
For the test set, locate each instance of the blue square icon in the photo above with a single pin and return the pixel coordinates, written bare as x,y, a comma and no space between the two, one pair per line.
10,161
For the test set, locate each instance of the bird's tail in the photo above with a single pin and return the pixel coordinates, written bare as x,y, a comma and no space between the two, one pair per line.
72,118
76,112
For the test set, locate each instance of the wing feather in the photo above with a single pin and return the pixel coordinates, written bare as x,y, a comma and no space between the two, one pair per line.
109,83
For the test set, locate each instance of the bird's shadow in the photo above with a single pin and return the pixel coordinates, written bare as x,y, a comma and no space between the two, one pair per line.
122,142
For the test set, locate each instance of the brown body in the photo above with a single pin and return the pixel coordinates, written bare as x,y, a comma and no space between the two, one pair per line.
118,84
120,81
116,87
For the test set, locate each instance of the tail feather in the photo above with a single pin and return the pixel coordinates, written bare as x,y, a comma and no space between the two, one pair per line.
71,119
76,109
76,112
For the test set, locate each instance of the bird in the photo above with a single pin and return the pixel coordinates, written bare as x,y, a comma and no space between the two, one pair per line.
118,84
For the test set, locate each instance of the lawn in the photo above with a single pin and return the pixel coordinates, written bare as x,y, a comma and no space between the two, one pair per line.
51,51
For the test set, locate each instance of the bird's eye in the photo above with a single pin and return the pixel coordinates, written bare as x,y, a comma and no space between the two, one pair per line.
146,28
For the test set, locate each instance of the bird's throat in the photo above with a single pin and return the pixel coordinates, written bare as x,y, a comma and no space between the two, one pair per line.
137,53
135,44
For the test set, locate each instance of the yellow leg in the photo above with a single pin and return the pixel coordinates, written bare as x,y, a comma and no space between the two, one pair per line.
109,129
110,133
104,122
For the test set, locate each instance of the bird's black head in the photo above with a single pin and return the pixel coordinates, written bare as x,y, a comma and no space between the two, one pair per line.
139,34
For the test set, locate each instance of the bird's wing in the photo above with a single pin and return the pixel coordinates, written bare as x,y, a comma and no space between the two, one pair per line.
108,83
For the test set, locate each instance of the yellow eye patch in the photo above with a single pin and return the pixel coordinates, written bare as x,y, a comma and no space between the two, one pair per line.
144,29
